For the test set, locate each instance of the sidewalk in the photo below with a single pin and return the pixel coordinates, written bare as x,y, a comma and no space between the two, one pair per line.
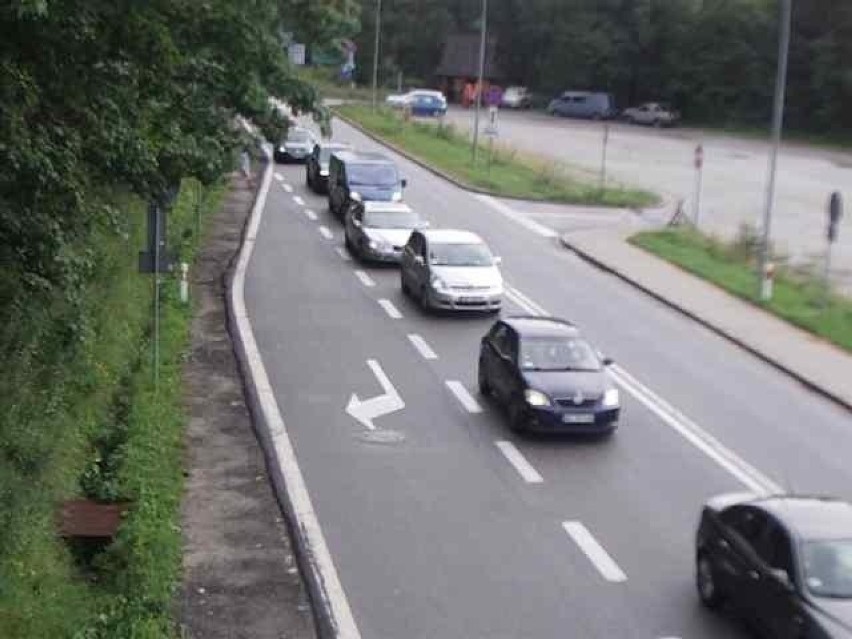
817,364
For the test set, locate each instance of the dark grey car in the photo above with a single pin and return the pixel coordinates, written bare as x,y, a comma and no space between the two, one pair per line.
316,166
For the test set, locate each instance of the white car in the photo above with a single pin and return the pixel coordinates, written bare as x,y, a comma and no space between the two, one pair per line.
451,270
377,231
516,98
653,114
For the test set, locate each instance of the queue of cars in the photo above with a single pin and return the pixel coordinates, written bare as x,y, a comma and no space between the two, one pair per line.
782,562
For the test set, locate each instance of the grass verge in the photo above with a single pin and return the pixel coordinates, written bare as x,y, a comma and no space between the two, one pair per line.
798,298
81,418
509,173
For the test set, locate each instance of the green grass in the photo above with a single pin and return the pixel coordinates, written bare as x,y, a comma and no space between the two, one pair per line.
510,174
80,418
329,85
799,299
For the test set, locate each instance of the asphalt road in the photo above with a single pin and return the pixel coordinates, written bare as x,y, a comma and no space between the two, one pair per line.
734,181
444,525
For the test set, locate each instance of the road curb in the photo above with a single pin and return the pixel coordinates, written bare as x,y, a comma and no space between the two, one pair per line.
809,384
332,617
464,185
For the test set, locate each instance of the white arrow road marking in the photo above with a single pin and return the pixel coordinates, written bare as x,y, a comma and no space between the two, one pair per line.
369,409
594,551
520,463
464,397
390,309
298,200
422,347
365,279
287,188
310,215
342,253
323,230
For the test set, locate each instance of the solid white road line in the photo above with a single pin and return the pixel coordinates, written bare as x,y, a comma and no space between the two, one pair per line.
422,347
298,200
287,188
321,565
524,468
464,397
310,215
390,309
365,279
519,218
325,232
594,551
695,435
344,255
726,458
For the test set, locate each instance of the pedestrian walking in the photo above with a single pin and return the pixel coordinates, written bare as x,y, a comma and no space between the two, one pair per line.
245,167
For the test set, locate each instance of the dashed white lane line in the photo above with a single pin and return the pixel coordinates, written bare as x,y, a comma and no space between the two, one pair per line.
279,177
323,230
365,279
594,551
520,218
422,347
464,397
520,463
390,309
287,187
344,255
298,200
311,215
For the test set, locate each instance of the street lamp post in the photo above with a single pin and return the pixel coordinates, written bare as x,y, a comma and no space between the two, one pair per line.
483,23
376,52
764,272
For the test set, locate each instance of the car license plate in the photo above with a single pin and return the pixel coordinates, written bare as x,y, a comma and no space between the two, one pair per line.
472,300
578,418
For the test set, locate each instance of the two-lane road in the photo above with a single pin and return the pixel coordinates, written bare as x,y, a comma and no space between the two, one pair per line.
443,525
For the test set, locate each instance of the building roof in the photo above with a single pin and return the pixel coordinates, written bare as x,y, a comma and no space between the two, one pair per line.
461,57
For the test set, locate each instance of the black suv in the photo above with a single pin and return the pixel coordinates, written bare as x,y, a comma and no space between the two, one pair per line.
784,562
358,177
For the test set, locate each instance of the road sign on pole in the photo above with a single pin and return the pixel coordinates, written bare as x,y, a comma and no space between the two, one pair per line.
699,171
603,154
835,213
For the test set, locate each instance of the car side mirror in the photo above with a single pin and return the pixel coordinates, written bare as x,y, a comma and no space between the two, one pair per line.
403,182
782,578
418,259
498,260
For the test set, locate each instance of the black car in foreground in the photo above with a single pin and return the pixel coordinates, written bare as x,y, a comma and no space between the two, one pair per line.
783,562
549,378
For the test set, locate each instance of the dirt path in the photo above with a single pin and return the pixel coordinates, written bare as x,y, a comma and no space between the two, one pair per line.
240,576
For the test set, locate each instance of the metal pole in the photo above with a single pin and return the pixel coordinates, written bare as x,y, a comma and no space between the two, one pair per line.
376,51
483,29
157,298
777,123
827,276
699,175
603,155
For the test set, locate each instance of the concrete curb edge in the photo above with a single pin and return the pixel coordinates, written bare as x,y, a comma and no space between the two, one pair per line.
809,384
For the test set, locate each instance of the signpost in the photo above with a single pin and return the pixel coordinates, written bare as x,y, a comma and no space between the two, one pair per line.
835,214
491,132
699,171
603,154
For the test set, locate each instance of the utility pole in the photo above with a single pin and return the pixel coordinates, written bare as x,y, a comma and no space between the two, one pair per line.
483,24
376,52
765,289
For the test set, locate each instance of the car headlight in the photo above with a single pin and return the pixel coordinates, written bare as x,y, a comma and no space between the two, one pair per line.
397,196
282,149
355,196
536,398
373,245
611,398
438,284
324,172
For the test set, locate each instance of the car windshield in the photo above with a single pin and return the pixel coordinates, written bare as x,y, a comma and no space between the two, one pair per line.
298,135
325,154
372,175
828,568
460,255
391,219
565,354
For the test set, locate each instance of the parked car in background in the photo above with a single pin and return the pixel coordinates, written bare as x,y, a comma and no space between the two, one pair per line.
358,177
316,166
378,231
421,102
583,104
296,146
451,270
516,97
548,377
652,114
784,562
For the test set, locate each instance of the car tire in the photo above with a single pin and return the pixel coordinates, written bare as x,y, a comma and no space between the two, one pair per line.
423,300
707,584
484,386
404,286
657,124
517,423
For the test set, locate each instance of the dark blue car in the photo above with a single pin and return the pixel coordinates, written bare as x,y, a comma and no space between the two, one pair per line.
548,377
427,104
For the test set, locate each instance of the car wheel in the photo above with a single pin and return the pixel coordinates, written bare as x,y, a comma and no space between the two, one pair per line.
657,124
517,422
349,246
484,386
404,286
705,582
423,299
